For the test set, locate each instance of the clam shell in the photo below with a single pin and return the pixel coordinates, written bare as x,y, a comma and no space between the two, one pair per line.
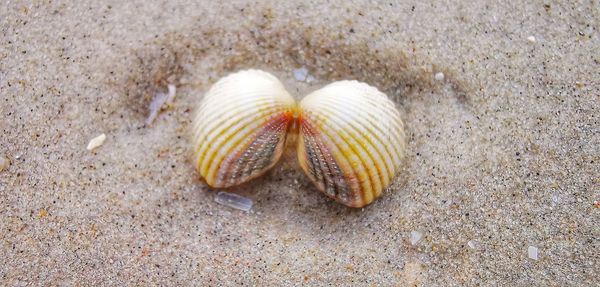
240,127
351,141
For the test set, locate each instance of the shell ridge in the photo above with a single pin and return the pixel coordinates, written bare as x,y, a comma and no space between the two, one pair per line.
213,125
242,153
239,106
234,137
326,143
371,150
376,126
225,126
365,161
209,125
397,138
365,128
322,173
225,106
256,155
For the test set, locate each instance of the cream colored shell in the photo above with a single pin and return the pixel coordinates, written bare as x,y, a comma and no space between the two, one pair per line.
351,141
351,137
240,127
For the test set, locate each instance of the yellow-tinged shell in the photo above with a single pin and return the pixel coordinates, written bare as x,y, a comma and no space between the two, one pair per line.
351,141
240,127
350,135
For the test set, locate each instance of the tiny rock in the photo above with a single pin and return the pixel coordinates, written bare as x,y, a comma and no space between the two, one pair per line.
96,142
43,213
4,162
532,252
531,39
439,76
301,74
471,244
415,237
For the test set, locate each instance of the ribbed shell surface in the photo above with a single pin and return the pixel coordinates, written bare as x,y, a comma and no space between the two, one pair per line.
351,141
240,127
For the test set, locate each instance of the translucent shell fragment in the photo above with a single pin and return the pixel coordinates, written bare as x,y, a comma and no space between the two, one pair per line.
351,141
240,127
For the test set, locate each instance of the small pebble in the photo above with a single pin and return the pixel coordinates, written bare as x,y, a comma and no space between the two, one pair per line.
532,252
415,237
300,74
471,244
234,201
531,39
439,76
171,94
96,142
4,162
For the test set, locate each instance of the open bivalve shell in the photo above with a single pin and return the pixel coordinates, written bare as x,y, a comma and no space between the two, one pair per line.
240,127
351,141
351,137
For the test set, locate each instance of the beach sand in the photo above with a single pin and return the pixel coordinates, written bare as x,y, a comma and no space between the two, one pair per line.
503,156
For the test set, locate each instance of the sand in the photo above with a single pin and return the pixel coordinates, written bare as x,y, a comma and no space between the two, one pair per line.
503,154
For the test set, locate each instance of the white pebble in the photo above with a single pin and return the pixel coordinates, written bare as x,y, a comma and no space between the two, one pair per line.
96,142
532,252
415,237
471,244
439,76
4,162
171,94
300,74
234,201
531,39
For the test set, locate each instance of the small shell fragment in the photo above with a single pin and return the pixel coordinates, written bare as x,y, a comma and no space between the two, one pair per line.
472,244
439,76
532,252
300,74
171,94
234,201
159,101
240,127
415,237
4,162
96,142
351,141
531,39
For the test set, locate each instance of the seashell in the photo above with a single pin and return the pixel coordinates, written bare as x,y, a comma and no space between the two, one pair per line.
350,136
351,141
240,127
